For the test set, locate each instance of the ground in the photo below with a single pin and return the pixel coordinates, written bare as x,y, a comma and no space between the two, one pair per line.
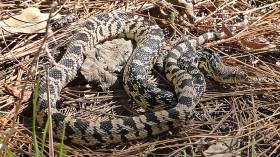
230,120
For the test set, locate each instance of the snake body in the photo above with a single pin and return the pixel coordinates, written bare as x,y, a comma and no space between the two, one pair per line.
181,69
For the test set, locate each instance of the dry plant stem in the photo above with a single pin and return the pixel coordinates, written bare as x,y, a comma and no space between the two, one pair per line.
256,141
225,4
260,8
247,65
51,148
221,121
53,7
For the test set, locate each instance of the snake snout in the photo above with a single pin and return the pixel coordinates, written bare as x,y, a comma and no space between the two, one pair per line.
229,74
237,75
241,75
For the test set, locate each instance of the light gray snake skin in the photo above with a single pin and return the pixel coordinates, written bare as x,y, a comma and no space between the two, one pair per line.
181,69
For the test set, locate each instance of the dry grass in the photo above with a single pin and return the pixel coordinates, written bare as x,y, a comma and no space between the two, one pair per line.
245,114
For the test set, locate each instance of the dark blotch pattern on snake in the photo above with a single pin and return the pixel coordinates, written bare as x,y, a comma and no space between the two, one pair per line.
180,66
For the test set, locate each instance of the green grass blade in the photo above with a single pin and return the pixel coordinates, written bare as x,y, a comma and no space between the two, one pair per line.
61,148
45,135
6,149
35,100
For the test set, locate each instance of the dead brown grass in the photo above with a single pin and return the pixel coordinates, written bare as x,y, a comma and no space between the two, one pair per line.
238,116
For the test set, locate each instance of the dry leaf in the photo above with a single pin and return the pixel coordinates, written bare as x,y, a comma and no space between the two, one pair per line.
31,20
227,31
250,44
222,149
253,45
17,92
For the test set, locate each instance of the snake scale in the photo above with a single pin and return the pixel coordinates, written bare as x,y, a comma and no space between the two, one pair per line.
181,69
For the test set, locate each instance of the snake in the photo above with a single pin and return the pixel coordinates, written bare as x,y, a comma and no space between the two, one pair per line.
181,66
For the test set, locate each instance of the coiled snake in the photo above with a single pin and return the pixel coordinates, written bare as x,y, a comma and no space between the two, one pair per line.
180,66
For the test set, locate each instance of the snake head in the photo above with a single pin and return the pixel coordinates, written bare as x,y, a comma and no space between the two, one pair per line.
231,74
212,63
223,73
